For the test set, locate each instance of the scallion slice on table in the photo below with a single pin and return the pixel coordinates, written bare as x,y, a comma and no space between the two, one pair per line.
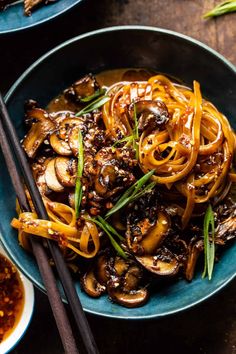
80,168
132,193
222,8
209,246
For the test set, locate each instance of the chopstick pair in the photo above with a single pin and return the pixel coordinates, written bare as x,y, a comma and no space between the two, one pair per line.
8,140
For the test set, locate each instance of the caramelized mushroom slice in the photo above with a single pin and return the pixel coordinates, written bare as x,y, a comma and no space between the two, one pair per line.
38,169
102,272
151,114
61,139
123,286
51,177
132,299
38,131
90,284
60,146
132,278
194,252
82,88
165,263
156,234
105,177
66,171
73,138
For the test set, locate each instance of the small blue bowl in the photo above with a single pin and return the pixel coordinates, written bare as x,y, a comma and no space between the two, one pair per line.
129,46
13,18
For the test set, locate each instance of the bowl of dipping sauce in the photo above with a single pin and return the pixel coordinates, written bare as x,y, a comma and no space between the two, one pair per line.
16,304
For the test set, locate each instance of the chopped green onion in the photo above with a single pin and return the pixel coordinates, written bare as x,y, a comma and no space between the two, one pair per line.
133,138
109,230
145,190
222,8
80,168
96,94
131,193
209,247
99,102
127,139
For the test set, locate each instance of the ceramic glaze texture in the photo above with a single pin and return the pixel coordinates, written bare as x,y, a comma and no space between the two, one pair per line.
13,18
134,46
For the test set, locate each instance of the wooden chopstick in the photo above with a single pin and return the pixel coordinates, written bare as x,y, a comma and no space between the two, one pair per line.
46,272
62,269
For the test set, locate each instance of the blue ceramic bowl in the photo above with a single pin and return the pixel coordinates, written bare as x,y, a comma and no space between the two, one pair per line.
13,18
135,46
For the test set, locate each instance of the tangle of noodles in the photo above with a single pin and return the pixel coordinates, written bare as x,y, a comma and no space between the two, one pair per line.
61,228
192,153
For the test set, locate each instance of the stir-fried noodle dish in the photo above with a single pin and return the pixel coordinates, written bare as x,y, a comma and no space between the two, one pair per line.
136,172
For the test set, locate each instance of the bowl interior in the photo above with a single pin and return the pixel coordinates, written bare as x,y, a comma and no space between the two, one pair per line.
25,318
166,52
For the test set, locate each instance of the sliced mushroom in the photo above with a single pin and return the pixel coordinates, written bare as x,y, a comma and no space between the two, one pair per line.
194,250
102,271
105,178
124,284
132,299
60,146
66,171
132,278
59,140
164,263
38,131
226,230
152,240
73,140
38,169
82,88
151,114
90,284
51,177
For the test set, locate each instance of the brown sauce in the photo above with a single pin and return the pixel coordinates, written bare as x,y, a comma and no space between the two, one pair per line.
11,297
105,78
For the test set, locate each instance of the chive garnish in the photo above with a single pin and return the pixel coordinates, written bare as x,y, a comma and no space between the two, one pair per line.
99,102
110,231
222,8
209,246
133,138
126,139
96,94
80,168
132,193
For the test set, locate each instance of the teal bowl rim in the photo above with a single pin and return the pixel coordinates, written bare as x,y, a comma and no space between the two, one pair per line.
94,33
40,22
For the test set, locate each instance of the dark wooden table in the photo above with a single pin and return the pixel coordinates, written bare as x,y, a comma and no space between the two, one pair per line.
208,328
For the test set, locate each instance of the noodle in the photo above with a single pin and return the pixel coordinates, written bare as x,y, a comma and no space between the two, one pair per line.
196,134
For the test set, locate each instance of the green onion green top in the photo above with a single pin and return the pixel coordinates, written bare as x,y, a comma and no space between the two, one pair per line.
209,246
222,8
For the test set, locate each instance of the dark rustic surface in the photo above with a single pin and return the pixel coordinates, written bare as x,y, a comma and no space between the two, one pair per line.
209,328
